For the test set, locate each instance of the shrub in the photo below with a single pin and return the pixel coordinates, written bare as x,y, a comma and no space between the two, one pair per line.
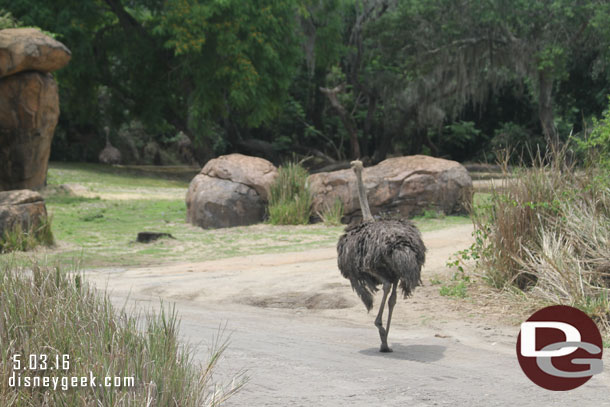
290,200
15,238
46,311
332,214
7,20
547,232
596,147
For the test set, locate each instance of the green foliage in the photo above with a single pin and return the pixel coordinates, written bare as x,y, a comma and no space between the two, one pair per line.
290,200
512,136
16,238
7,20
332,214
238,56
433,76
66,320
596,147
457,287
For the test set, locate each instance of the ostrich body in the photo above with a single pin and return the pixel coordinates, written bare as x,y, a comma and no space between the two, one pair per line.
110,154
386,252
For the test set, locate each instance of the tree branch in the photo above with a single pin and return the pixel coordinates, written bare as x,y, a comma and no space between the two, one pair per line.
346,118
126,20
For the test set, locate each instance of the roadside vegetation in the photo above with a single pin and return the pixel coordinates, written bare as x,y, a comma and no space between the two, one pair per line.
18,238
290,200
331,215
544,234
82,334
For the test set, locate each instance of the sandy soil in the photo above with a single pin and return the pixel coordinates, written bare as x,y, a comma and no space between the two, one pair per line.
305,338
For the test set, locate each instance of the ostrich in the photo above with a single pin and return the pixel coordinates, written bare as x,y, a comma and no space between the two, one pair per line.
110,154
387,252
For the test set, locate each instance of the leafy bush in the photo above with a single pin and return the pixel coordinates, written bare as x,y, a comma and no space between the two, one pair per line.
596,147
46,311
547,232
15,238
290,200
7,20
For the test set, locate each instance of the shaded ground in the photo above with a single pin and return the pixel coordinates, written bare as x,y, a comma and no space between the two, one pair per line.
306,339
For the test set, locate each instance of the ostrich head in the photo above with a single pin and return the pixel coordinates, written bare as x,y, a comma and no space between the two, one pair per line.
364,203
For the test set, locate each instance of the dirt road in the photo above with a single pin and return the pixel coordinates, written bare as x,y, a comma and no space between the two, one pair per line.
306,340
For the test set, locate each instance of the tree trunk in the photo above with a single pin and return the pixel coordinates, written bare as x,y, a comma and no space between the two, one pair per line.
368,122
545,110
346,119
383,146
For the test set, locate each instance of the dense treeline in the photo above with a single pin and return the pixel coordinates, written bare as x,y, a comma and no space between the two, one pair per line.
333,79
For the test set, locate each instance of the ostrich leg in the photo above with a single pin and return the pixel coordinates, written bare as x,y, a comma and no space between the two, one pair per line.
379,322
391,303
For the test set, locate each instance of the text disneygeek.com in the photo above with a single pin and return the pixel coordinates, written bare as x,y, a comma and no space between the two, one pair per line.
65,382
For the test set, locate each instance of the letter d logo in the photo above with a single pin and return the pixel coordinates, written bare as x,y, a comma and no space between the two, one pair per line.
528,338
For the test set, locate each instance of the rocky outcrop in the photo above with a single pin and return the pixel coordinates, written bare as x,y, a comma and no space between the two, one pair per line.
230,190
28,49
29,109
401,186
23,207
29,105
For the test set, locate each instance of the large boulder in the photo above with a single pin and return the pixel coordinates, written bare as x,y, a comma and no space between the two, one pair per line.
28,49
230,190
254,172
401,186
29,105
29,110
22,207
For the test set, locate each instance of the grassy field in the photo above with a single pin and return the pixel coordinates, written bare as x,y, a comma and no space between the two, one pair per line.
98,226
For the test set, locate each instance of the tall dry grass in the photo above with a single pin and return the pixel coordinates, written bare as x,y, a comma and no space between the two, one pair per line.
46,311
546,232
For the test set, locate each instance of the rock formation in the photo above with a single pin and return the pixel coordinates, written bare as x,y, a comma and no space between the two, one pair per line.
23,207
29,105
401,186
230,190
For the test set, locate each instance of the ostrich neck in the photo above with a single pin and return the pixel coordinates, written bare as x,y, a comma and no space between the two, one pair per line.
364,203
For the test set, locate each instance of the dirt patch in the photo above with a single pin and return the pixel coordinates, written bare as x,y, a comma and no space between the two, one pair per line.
293,300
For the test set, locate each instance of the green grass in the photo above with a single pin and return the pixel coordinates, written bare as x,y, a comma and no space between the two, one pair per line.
90,174
105,233
457,286
429,224
459,290
100,230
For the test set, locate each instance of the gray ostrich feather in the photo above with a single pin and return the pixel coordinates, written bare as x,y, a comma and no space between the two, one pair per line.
380,252
373,252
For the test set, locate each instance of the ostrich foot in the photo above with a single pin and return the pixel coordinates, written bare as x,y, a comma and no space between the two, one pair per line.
385,349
